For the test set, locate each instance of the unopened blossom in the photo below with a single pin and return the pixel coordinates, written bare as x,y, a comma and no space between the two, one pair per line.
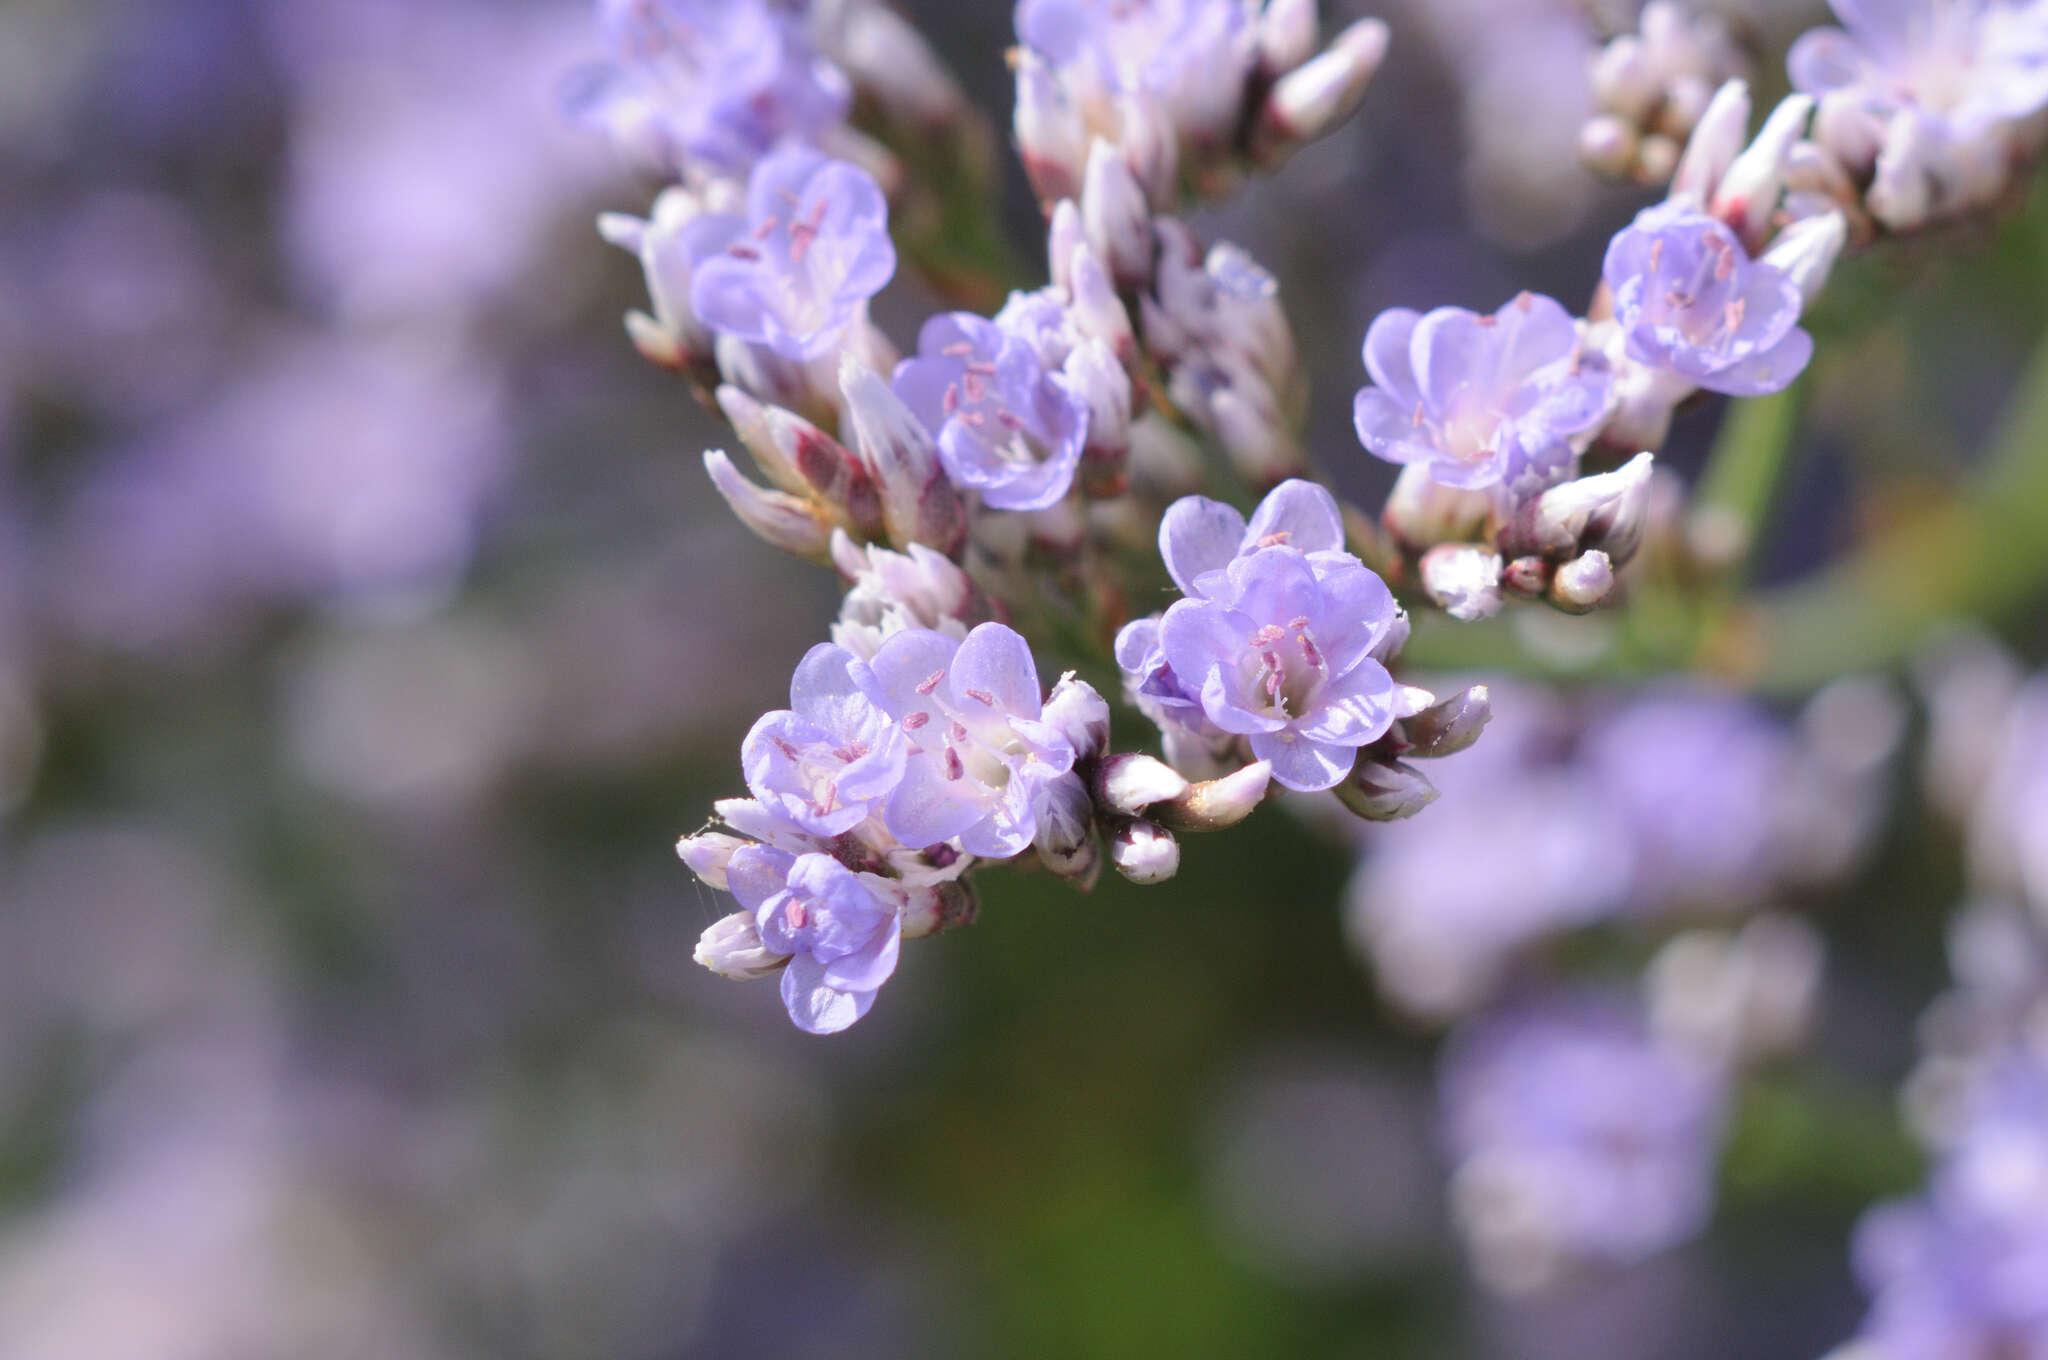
889,591
1575,1137
796,269
1691,303
980,755
1191,56
830,759
1281,652
1481,401
840,934
1966,64
1008,428
713,84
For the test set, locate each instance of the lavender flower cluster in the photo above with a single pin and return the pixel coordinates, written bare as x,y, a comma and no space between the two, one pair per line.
1001,493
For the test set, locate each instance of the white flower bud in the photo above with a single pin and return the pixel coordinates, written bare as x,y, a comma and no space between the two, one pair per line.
1052,138
1116,216
1807,250
1716,141
1463,579
1080,714
1747,195
1385,791
1130,783
1145,852
1450,726
707,854
919,504
1315,97
731,947
1065,839
790,523
1216,804
1583,584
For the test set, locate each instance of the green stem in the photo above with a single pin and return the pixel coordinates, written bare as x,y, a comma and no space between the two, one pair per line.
1980,557
1749,462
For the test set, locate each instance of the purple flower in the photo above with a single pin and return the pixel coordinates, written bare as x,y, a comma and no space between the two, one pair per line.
1007,427
797,268
980,755
1696,776
833,756
840,934
1967,63
1200,538
1280,652
716,82
1481,400
1690,301
1192,55
1576,1136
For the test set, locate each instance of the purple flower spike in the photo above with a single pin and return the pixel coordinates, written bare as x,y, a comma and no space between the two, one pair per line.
828,760
980,755
1966,63
1280,653
1007,428
795,270
717,83
841,936
1200,538
1690,301
1481,400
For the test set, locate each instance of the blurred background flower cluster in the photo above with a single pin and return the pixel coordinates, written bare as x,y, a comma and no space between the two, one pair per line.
368,633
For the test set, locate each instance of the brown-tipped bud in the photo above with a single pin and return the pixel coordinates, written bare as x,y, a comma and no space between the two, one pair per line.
1747,196
1463,579
1527,577
1052,138
1451,726
1151,147
1080,714
707,854
1065,838
789,522
935,908
803,460
1216,804
1062,234
1316,96
731,947
919,504
1130,783
1116,216
1583,584
1098,312
1145,852
1385,791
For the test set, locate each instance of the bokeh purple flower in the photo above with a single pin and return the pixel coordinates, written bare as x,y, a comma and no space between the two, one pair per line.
1967,64
980,757
1281,653
713,84
797,268
1007,427
1481,401
1576,1137
841,935
830,759
1192,56
1691,303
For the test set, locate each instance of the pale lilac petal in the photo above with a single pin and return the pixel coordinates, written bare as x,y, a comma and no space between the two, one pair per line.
927,808
1301,764
1389,359
867,968
1198,536
904,667
993,669
1772,371
815,1005
1826,59
1299,514
1353,709
1274,585
757,873
1451,353
1388,429
833,688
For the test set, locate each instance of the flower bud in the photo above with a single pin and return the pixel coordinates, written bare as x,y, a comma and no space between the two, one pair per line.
1116,217
707,854
1052,138
1716,141
1807,250
1747,195
1130,783
935,908
1608,146
1093,374
891,63
919,504
1385,791
1065,838
731,947
1151,147
1463,579
768,377
1606,512
1287,36
1583,584
1316,96
1902,194
1098,312
790,523
1850,129
1623,81
1063,233
1145,852
1422,512
1450,726
1079,714
803,460
1216,804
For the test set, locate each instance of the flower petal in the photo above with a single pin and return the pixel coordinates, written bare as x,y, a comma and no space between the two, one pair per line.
815,1006
1198,536
1303,765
